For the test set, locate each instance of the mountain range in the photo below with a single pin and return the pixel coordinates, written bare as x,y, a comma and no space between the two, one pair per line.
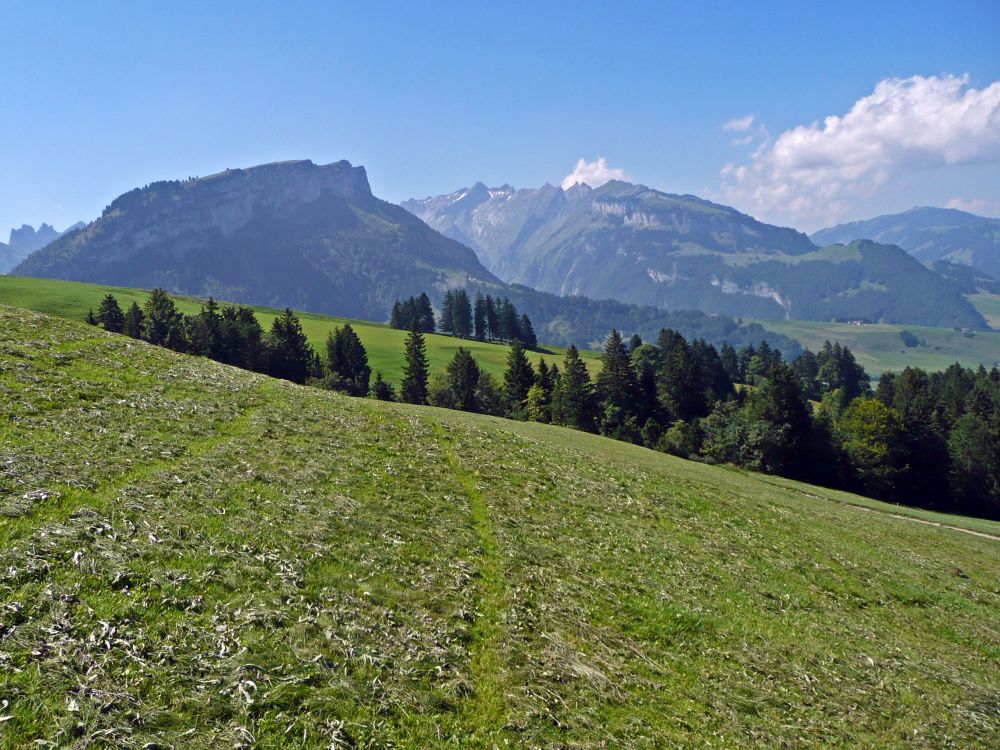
642,246
314,237
929,234
25,241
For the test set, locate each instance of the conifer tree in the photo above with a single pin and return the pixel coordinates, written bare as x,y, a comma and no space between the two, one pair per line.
616,389
396,316
447,319
463,380
509,329
517,379
492,319
425,313
90,318
527,332
110,315
573,395
381,389
289,355
479,317
413,389
132,325
161,320
461,311
347,361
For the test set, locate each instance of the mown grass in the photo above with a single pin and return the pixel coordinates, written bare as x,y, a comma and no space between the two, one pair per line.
72,299
195,556
878,346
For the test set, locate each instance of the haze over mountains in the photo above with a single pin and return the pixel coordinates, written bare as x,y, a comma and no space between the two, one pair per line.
639,245
25,241
314,238
929,234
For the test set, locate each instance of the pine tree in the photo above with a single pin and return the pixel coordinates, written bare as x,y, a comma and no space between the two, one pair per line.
90,318
110,315
133,322
463,380
617,389
415,374
479,317
573,396
634,343
517,379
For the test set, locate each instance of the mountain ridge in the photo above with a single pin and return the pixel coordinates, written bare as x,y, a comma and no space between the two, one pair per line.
643,246
929,234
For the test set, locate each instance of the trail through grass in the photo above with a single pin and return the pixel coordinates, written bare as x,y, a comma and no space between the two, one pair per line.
195,556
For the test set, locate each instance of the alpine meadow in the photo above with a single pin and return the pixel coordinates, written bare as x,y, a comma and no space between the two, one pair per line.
563,376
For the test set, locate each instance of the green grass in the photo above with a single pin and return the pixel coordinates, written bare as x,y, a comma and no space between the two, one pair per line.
988,306
878,346
196,556
72,299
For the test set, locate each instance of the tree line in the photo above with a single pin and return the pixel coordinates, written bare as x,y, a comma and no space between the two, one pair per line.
926,439
484,318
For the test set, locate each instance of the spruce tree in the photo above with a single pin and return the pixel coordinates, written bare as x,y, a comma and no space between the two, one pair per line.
381,389
425,313
517,379
448,312
492,319
396,316
161,320
110,315
573,395
527,332
347,361
413,389
463,380
90,318
507,313
133,322
617,389
289,355
479,317
461,314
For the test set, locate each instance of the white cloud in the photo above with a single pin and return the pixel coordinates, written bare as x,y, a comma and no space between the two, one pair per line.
814,174
981,206
594,173
738,124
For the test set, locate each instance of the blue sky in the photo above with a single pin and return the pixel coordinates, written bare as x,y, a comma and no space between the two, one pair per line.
102,97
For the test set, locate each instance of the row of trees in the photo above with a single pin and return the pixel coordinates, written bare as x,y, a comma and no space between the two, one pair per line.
483,318
920,439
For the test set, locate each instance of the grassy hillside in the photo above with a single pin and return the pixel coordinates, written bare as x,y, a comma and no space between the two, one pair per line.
196,556
72,299
878,347
988,306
